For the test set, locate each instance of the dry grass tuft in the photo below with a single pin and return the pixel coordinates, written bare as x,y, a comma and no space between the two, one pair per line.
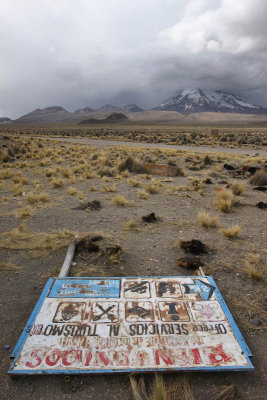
56,182
180,389
130,226
4,156
153,186
225,200
142,194
207,221
109,188
121,201
35,198
38,242
134,182
225,392
157,391
237,188
72,191
259,178
7,266
50,172
231,232
6,173
254,266
132,165
24,212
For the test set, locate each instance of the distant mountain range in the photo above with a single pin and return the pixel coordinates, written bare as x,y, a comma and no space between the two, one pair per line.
195,101
185,102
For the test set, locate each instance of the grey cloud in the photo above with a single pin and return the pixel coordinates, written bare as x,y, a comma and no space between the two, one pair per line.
79,53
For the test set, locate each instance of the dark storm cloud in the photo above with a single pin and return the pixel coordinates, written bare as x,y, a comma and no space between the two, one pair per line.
87,53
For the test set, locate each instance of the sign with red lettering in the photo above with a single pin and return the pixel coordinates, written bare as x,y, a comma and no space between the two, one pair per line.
101,325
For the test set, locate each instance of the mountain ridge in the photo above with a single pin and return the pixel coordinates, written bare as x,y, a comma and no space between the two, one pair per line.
192,101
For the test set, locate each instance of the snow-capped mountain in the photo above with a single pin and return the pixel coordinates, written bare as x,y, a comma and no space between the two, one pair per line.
194,101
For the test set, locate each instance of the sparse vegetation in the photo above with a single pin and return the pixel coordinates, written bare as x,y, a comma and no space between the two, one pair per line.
121,201
225,200
207,221
259,178
237,188
231,232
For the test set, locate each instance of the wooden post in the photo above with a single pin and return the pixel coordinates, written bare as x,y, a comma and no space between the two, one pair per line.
200,272
65,269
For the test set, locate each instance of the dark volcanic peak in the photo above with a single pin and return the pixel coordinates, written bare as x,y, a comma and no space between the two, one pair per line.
48,114
132,108
83,110
112,118
5,120
195,101
108,108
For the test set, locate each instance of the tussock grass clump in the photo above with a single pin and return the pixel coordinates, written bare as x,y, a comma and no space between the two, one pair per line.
225,200
134,182
50,172
121,201
89,175
34,198
66,172
259,178
6,173
253,266
45,162
207,221
24,212
4,156
237,188
231,232
7,266
153,186
72,191
130,225
21,239
253,273
132,165
142,194
225,392
56,182
59,160
157,390
109,188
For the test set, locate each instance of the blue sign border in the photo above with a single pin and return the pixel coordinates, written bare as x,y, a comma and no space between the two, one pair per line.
46,291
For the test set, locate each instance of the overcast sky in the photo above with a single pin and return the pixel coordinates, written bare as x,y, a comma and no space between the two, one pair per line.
78,53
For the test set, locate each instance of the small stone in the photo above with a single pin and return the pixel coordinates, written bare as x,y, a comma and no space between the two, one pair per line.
255,321
73,264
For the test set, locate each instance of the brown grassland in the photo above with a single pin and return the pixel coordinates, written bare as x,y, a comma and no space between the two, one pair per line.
47,191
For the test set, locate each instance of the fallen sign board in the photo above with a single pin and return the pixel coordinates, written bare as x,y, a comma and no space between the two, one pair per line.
107,325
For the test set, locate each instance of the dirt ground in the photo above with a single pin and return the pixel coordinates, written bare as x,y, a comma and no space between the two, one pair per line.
31,251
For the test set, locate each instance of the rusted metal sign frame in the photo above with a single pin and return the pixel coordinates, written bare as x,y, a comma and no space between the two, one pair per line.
51,285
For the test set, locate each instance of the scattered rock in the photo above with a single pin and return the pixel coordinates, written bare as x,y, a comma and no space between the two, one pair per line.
89,243
91,205
190,262
251,170
207,160
208,181
262,205
229,167
193,246
150,218
113,253
255,321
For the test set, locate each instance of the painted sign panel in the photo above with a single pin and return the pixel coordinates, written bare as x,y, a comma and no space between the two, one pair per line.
101,325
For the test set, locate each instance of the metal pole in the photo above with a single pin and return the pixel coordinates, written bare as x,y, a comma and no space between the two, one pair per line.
65,269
